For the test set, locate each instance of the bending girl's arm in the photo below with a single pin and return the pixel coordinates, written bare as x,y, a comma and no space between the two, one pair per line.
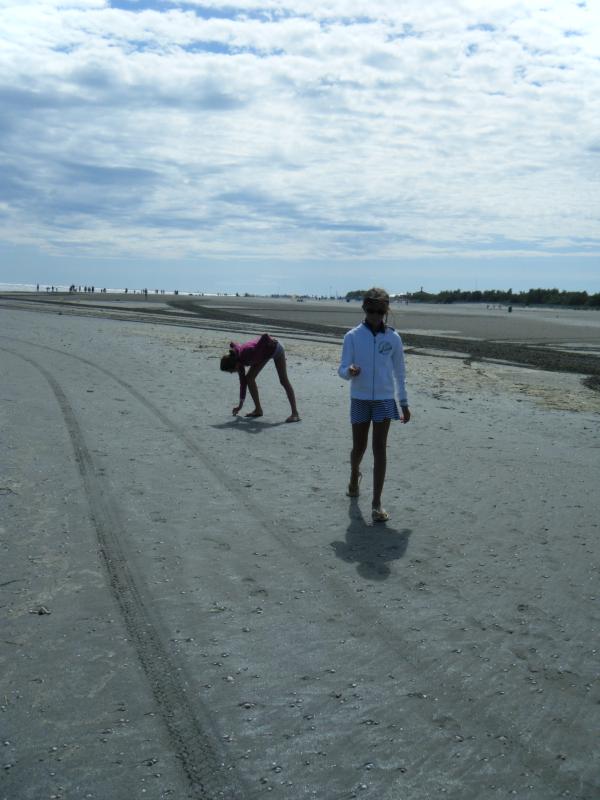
347,357
400,372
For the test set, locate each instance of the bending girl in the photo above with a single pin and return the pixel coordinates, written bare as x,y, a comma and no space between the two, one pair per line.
255,354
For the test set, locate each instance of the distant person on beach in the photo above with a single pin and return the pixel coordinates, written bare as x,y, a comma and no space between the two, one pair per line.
373,361
255,354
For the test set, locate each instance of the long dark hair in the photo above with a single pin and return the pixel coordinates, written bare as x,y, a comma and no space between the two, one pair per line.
229,362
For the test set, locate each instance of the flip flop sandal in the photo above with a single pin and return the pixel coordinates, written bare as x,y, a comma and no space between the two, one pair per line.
353,491
379,514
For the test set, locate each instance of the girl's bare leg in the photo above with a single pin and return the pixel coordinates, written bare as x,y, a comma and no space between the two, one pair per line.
360,438
281,367
253,389
379,442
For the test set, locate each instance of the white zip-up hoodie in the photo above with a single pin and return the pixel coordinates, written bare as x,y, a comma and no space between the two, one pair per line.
381,360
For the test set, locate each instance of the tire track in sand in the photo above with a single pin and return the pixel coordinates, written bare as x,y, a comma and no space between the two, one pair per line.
209,777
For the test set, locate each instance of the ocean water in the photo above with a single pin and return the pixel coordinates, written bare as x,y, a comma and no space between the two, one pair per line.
32,287
28,287
43,287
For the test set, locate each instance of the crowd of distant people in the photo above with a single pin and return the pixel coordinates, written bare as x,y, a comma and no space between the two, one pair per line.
74,289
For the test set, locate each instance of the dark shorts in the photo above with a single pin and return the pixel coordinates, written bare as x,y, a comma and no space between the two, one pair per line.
372,410
278,352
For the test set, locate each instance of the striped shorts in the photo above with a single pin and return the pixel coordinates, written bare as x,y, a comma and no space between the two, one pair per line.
372,410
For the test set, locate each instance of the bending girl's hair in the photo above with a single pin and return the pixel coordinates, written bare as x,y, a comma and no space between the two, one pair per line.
229,362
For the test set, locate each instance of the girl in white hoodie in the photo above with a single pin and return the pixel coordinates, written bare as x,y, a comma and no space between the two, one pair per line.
373,361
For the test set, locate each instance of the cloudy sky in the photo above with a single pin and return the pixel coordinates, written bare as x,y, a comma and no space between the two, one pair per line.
300,145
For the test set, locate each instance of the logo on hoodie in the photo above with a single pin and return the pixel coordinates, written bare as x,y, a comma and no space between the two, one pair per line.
385,348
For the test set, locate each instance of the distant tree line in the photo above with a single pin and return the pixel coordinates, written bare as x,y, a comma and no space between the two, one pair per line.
532,297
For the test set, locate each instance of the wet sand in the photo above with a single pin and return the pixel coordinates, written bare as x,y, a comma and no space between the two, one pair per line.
562,340
523,325
562,327
193,608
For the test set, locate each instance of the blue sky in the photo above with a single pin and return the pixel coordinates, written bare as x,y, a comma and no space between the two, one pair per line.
300,145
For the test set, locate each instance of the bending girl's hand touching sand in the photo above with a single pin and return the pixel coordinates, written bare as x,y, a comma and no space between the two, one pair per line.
354,370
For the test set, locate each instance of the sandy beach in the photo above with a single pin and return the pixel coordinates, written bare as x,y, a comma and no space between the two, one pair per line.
192,608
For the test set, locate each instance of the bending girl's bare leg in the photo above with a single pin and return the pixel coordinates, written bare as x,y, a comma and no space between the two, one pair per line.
253,389
379,442
281,367
360,438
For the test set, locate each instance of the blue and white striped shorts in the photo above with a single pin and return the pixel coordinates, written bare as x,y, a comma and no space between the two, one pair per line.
372,410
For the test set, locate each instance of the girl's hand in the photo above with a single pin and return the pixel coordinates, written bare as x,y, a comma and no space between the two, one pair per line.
354,370
405,413
236,410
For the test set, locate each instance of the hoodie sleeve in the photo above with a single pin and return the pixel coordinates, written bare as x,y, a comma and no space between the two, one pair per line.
347,356
400,372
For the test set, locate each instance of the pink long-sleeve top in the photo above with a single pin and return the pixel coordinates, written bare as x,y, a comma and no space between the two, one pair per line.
250,354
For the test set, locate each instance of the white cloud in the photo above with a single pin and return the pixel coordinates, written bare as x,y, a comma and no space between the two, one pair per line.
300,129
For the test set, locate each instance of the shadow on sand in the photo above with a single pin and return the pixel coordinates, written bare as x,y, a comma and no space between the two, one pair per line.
371,546
248,424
